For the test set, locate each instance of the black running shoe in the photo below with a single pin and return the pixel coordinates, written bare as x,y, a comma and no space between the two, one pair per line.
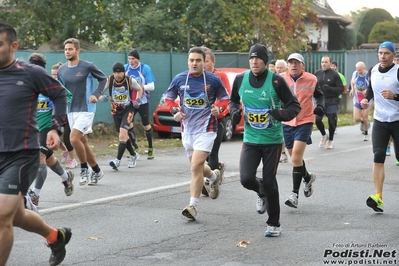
58,248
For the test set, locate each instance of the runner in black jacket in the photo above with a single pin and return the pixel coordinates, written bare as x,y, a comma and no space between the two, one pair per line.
331,86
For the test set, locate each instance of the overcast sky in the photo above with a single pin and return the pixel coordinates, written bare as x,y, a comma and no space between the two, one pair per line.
342,7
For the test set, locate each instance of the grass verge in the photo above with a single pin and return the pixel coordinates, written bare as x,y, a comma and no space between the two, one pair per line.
104,139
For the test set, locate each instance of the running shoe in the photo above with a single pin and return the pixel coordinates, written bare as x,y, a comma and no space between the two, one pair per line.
95,177
366,138
272,231
206,187
292,200
397,163
150,154
84,177
330,144
376,203
307,188
58,248
323,141
261,205
68,189
214,191
29,204
388,151
115,164
72,163
222,168
64,156
34,198
190,212
132,160
283,158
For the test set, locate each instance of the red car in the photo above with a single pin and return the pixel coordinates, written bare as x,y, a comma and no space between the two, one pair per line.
165,125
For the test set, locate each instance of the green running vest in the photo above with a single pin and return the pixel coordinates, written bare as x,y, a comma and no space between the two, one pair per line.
259,126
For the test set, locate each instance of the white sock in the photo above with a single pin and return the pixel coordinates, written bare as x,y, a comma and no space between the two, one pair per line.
194,202
64,176
36,191
213,177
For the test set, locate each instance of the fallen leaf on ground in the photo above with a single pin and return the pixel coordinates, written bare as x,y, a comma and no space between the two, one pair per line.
243,244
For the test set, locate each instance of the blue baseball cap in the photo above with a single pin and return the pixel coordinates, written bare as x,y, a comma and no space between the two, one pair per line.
388,45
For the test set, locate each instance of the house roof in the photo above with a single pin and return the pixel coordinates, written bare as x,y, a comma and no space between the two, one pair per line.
325,12
374,45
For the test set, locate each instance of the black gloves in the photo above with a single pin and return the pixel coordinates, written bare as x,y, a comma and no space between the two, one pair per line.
319,111
276,114
236,117
136,103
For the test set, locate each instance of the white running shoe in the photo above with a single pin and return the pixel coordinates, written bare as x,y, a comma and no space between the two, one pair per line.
292,200
283,158
190,212
330,145
115,164
29,204
307,187
261,205
214,191
133,160
272,231
323,141
95,177
84,177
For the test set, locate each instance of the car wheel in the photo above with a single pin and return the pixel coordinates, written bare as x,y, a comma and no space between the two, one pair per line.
164,135
228,129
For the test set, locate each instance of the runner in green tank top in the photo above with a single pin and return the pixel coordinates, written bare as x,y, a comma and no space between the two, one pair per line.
262,94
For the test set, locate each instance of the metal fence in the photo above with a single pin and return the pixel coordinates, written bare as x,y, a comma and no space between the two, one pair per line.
166,65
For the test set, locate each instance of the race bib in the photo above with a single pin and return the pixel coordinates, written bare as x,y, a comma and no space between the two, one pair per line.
258,118
198,102
120,95
44,104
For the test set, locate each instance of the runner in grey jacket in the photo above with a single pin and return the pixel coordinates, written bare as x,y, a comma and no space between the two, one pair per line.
77,75
79,80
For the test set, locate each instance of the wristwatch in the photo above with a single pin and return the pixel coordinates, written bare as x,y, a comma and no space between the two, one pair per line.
175,110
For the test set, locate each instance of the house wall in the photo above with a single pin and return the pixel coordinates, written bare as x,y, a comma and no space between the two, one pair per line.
314,34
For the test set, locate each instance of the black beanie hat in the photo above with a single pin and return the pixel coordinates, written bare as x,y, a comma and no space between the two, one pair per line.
135,54
259,51
118,67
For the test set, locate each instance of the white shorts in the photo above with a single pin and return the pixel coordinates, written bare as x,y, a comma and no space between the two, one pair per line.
199,142
81,121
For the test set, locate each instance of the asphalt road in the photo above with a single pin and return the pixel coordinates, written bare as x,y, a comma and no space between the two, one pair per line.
133,216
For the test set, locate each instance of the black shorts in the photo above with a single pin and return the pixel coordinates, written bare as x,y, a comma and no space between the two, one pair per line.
18,170
123,119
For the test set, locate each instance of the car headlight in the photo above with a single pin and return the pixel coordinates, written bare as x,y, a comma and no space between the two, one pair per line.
162,101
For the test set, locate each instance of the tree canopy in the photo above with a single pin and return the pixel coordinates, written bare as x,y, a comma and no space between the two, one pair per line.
385,31
227,25
370,18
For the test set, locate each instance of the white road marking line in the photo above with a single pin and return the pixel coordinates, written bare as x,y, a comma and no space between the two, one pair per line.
112,198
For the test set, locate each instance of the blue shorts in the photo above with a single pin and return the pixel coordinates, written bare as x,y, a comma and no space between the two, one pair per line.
299,133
